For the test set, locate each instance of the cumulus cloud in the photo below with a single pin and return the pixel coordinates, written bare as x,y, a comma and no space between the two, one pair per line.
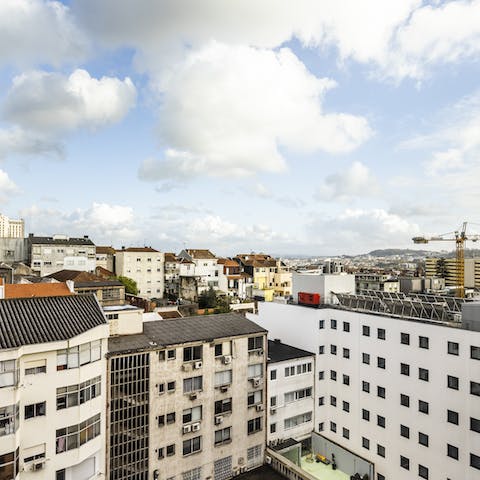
51,102
16,141
7,187
229,110
34,32
356,180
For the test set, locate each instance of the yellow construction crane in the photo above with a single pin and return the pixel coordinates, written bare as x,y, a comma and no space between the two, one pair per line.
459,237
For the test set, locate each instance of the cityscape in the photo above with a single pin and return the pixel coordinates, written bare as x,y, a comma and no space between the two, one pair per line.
238,240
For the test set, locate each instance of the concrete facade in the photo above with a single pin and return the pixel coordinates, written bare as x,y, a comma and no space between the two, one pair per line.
324,284
10,228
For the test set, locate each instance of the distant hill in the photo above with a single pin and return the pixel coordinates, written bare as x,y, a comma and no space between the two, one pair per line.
387,252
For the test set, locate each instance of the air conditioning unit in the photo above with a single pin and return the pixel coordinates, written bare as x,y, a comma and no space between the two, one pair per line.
256,381
195,427
193,396
273,411
186,367
268,459
236,471
38,466
218,419
224,388
197,365
187,429
259,352
243,469
227,359
259,408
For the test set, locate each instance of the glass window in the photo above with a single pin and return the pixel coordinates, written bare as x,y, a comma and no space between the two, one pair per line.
346,433
423,439
423,374
380,392
192,384
223,378
452,382
365,330
452,451
255,343
223,436
405,338
366,443
453,348
346,353
422,471
333,324
255,398
404,400
366,358
333,349
405,369
256,370
366,386
8,373
254,425
346,326
381,421
475,425
404,462
423,342
381,335
223,406
380,362
475,388
365,415
422,406
452,417
192,353
475,352
321,324
192,445
273,374
380,450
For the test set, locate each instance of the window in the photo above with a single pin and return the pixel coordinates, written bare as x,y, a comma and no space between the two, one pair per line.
171,386
452,452
74,436
321,324
255,343
333,349
475,388
78,394
381,421
380,362
404,431
333,324
453,348
404,400
171,354
289,371
223,378
223,406
474,425
333,401
254,398
405,369
346,433
423,439
273,374
452,382
223,436
423,406
346,326
8,373
321,375
192,353
256,371
297,420
321,349
80,355
218,350
321,401
273,401
192,445
192,384
475,461
35,410
366,443
365,415
405,338
475,352
422,471
346,353
380,392
381,333
423,374
380,476
192,414
366,358
60,474
346,379
366,387
333,375
170,418
404,462
345,406
380,450
321,427
298,395
254,425
273,427
423,342
333,427
365,331
452,417
39,367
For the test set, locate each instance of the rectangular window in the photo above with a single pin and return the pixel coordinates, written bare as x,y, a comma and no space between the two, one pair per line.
475,388
223,406
321,427
405,369
297,420
423,374
346,379
273,374
321,324
321,349
346,353
423,406
365,415
273,401
404,462
80,355
192,384
254,398
404,400
474,425
452,451
333,375
333,401
365,330
423,342
34,368
380,450
452,382
423,439
405,338
475,461
475,352
333,349
333,324
380,362
191,354
321,401
35,410
289,371
218,350
345,406
381,421
452,417
381,335
321,375
192,445
223,378
333,427
346,326
366,443
346,433
366,358
8,373
381,392
254,425
170,418
297,395
273,427
9,420
223,436
256,371
423,472
255,343
171,354
366,387
74,436
73,395
453,348
192,415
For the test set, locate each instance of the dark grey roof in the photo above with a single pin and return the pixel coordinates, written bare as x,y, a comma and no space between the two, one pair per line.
279,352
183,330
27,321
104,283
60,241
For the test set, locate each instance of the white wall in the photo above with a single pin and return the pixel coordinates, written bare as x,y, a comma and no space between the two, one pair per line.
324,284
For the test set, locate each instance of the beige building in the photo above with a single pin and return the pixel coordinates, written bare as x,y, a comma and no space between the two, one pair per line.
104,257
187,398
447,268
376,281
146,266
11,228
52,388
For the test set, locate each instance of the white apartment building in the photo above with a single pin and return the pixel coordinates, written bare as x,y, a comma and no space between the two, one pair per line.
52,388
146,266
187,399
291,392
10,228
204,268
376,281
403,393
47,255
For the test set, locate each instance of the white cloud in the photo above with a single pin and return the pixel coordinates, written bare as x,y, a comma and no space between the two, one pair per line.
16,141
7,187
229,111
356,180
34,32
51,102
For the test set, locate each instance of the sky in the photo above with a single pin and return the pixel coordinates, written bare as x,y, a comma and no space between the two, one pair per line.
310,127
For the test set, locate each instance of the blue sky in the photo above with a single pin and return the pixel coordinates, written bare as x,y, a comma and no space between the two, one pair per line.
332,127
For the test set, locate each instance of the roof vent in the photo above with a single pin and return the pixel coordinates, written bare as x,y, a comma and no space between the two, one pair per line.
277,340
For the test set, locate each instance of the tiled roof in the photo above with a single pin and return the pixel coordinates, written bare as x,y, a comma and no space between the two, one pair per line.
105,250
27,290
83,279
29,321
103,272
170,257
279,352
60,241
138,250
183,330
194,253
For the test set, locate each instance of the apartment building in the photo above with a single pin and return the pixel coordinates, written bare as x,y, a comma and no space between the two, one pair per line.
447,268
291,392
146,266
52,388
400,390
172,274
48,255
10,228
104,257
204,268
232,280
376,281
187,399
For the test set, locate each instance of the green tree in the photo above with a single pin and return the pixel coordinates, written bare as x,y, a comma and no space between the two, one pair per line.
207,299
130,285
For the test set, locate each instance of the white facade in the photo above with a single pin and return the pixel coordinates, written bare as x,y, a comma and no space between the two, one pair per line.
145,266
11,228
204,268
375,424
324,284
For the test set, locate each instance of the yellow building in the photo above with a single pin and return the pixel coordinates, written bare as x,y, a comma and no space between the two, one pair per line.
447,268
